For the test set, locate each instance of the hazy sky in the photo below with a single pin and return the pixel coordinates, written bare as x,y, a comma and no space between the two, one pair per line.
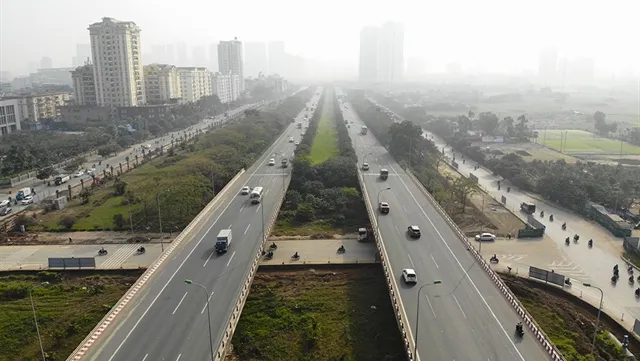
497,35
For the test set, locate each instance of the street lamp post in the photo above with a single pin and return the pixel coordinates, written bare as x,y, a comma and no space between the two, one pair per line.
382,190
160,220
206,295
595,331
415,339
35,320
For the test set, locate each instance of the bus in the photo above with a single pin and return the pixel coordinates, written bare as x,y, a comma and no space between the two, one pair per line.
256,195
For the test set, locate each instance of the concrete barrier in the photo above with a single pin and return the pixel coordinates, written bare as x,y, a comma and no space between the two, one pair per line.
398,307
542,338
80,352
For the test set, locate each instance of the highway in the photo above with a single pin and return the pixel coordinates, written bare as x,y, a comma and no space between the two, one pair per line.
465,317
168,320
43,191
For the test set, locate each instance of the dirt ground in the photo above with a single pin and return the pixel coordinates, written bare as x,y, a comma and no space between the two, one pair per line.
489,215
567,320
53,238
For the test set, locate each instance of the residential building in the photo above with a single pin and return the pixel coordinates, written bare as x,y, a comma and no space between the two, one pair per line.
277,57
39,106
60,76
84,85
255,58
21,82
278,83
548,66
117,63
84,113
46,63
195,83
226,87
368,65
391,52
10,116
161,82
83,53
230,59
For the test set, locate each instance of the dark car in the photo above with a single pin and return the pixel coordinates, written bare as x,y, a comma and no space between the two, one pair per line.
414,231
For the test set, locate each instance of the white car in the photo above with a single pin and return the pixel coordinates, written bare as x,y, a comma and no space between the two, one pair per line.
244,191
485,237
290,139
27,200
272,161
365,166
409,275
297,144
78,174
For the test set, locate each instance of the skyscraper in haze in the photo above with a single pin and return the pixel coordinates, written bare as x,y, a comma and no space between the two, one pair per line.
117,63
255,58
230,59
368,65
277,57
548,65
83,53
391,52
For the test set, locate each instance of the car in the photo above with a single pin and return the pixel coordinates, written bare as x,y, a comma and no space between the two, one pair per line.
414,231
485,237
384,207
272,161
409,275
27,200
365,166
78,174
297,144
245,190
4,211
290,139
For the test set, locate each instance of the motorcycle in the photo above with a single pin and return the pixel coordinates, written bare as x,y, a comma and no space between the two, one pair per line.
508,189
567,281
494,259
630,270
637,292
614,279
519,330
295,256
567,242
576,237
590,243
632,280
341,250
273,246
564,226
542,214
141,250
268,255
102,252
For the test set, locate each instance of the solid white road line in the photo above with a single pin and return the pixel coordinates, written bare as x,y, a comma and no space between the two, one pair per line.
178,359
230,258
245,231
241,208
179,303
257,209
410,260
430,306
397,230
460,307
434,260
145,357
208,258
205,305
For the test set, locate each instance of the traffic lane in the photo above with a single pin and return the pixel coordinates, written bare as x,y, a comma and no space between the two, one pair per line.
459,262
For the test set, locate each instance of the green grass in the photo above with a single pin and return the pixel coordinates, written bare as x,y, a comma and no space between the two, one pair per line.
321,228
67,309
320,314
325,143
579,141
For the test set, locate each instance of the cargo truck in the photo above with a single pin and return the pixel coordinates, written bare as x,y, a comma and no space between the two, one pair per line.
384,174
62,179
364,130
223,241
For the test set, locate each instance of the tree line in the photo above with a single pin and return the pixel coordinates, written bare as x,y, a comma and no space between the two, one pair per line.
328,192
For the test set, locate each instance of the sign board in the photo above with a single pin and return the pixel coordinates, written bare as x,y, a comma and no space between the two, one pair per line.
533,221
503,199
473,177
72,262
546,276
455,165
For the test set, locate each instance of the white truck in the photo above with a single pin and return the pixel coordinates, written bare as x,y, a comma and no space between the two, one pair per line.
223,241
364,130
23,193
62,179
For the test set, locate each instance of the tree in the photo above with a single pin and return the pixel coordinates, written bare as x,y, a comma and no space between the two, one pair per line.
464,188
119,187
85,194
507,125
488,122
67,222
108,149
45,173
119,221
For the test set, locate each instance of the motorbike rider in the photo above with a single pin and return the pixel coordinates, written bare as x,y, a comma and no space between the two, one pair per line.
141,249
567,240
519,327
295,255
631,279
638,292
541,213
273,245
590,242
102,250
551,218
341,248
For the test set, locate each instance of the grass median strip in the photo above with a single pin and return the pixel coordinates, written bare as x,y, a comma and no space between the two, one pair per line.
325,143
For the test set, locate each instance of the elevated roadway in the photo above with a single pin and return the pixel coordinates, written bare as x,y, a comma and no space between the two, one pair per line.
465,317
168,320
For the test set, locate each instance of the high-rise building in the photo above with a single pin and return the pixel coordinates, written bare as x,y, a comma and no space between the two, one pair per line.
548,65
226,87
368,65
277,57
117,63
391,52
84,85
10,116
46,63
255,58
195,83
181,54
199,56
83,53
213,58
161,83
230,59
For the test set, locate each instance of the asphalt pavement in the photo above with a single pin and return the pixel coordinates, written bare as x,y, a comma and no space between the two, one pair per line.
168,321
321,251
43,191
465,317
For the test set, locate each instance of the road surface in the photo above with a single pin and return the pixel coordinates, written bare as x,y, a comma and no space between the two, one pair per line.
321,251
169,320
463,318
43,191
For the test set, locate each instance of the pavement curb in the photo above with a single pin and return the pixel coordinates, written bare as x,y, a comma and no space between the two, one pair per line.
95,334
551,349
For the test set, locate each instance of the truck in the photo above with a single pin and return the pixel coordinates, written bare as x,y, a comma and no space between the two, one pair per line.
285,163
528,207
61,179
223,241
365,234
364,130
384,174
24,192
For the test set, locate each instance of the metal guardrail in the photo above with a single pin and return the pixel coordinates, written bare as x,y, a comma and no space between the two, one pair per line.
542,338
401,317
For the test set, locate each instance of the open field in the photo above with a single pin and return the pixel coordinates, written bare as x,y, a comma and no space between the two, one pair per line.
325,143
569,321
68,306
320,228
581,142
528,151
321,314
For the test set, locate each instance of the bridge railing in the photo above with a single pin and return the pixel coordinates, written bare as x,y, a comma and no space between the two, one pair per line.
398,308
542,338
